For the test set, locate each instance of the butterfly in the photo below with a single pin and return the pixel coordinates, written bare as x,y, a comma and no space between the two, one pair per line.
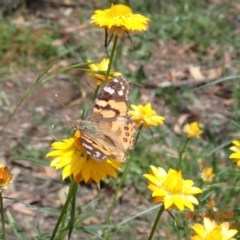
108,132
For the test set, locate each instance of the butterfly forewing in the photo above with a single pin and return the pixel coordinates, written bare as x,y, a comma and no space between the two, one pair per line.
112,102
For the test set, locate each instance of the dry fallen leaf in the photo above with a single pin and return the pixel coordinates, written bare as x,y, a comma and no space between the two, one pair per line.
214,73
62,194
177,75
195,72
21,208
177,128
91,220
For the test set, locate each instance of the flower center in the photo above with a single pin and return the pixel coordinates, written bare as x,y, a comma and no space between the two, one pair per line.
120,10
174,183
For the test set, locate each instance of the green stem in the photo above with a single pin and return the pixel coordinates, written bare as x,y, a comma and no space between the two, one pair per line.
71,193
96,93
111,56
138,134
231,192
114,200
181,153
2,217
156,222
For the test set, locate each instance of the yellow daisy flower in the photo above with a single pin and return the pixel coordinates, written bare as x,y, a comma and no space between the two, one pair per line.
145,115
171,189
207,174
99,70
192,130
5,176
70,155
210,230
235,156
119,18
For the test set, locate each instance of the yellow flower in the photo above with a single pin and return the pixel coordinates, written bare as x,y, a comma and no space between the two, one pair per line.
235,156
192,130
5,176
145,115
171,189
70,155
99,70
207,174
119,18
210,230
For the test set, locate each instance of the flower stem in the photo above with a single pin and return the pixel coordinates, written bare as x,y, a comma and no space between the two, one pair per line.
2,217
71,193
95,93
156,222
138,133
111,56
181,153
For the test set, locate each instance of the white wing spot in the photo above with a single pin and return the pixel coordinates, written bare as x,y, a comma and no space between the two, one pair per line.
120,93
88,152
97,154
109,90
87,146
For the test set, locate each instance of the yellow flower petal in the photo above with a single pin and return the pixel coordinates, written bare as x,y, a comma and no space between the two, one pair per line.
192,130
235,156
5,176
207,174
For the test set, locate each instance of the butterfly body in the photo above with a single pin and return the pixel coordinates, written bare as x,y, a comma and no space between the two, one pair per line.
108,132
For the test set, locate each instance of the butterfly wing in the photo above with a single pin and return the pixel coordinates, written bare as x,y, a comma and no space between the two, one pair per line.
108,132
112,102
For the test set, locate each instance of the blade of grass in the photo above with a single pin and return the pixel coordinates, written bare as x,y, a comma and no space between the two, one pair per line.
18,232
40,81
28,93
220,80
